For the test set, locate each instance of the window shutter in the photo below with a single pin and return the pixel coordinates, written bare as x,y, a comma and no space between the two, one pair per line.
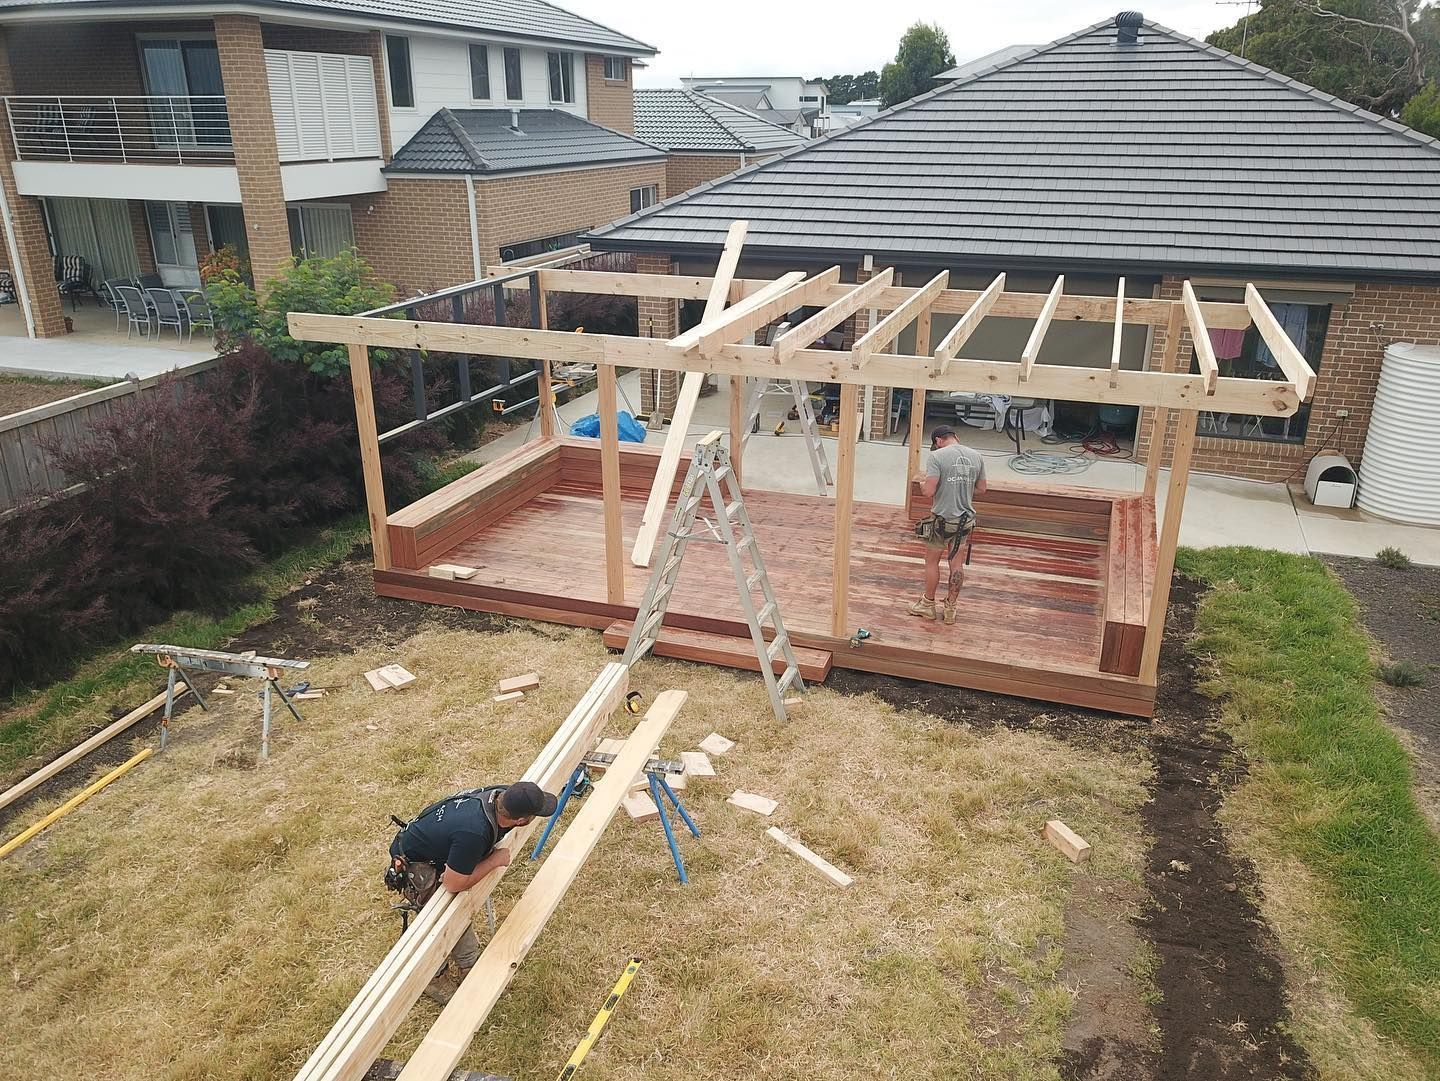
282,104
324,105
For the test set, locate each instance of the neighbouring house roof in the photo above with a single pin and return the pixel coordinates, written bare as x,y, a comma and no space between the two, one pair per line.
481,141
686,120
506,18
1170,154
753,100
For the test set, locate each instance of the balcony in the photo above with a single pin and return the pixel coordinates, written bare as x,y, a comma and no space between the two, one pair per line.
150,130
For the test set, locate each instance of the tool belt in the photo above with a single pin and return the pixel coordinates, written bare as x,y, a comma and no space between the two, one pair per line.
935,527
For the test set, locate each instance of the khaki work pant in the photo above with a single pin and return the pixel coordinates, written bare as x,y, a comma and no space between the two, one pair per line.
423,882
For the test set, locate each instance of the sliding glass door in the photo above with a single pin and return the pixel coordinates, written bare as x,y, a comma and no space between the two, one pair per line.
174,244
185,72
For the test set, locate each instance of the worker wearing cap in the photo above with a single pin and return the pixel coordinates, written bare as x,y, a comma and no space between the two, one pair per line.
954,475
451,845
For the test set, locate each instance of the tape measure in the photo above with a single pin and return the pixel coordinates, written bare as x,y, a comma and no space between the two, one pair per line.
602,1018
633,701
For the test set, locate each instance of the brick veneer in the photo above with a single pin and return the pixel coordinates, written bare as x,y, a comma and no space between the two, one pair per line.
659,318
1346,376
418,234
686,171
518,208
140,230
27,224
610,102
85,58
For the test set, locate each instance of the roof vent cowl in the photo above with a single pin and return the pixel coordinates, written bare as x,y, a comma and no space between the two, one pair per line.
1127,27
515,121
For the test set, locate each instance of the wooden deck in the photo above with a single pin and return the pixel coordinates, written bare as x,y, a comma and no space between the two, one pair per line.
1033,614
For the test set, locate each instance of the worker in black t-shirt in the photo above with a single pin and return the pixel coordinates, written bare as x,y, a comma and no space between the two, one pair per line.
452,844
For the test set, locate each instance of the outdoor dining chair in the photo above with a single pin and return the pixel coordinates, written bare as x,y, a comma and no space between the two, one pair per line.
72,277
197,307
112,298
7,288
137,312
168,311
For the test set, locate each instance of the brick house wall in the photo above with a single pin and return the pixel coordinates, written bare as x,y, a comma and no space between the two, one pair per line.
685,171
140,230
519,208
418,233
1346,377
610,102
659,317
84,58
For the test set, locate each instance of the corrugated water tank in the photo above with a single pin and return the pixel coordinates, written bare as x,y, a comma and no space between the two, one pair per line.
1400,473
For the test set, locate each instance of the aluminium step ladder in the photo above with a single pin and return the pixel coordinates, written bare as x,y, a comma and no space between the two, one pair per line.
756,391
711,476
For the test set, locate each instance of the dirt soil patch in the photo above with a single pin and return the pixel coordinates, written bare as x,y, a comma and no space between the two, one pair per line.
17,395
1219,999
1401,608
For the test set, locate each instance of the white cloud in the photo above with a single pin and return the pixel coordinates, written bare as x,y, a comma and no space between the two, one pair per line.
757,37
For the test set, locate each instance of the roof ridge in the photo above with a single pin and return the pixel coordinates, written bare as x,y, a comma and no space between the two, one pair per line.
702,105
467,144
730,105
841,133
590,123
594,22
1304,89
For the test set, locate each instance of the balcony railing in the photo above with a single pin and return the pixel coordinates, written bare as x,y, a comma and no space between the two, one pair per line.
147,130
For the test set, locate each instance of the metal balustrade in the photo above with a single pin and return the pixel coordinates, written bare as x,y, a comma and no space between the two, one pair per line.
168,130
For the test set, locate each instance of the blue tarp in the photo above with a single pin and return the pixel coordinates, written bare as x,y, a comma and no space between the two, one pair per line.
589,427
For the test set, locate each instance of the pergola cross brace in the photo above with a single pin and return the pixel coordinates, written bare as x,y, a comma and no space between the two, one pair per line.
827,319
879,337
969,322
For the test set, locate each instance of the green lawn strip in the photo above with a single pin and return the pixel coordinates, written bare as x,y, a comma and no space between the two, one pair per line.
1334,783
62,710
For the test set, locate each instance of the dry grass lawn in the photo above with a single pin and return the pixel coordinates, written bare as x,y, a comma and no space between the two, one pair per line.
206,918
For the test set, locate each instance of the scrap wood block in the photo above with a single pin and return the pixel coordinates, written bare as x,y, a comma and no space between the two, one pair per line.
1075,847
749,801
640,807
222,690
715,743
452,571
305,696
376,680
388,676
824,866
441,570
528,682
697,764
511,697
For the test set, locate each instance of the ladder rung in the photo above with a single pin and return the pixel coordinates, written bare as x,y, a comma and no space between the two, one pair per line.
723,472
731,508
786,680
777,647
664,591
754,580
671,564
651,624
765,613
748,542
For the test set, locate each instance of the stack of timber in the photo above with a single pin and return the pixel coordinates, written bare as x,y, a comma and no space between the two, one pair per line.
443,1047
378,1010
1130,560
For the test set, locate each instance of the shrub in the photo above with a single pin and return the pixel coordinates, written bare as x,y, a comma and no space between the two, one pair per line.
1393,558
1401,674
226,261
342,285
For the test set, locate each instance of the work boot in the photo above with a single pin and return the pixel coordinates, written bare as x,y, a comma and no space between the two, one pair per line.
949,611
924,608
442,988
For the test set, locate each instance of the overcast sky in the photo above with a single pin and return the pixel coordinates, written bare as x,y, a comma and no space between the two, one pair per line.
808,37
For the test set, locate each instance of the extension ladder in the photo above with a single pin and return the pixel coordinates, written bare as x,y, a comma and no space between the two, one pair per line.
711,475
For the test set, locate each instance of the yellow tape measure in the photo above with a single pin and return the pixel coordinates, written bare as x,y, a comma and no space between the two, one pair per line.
602,1019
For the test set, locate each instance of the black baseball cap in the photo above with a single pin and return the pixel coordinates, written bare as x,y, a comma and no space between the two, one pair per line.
526,799
944,431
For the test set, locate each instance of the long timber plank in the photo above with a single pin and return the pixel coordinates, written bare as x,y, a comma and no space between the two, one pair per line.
725,650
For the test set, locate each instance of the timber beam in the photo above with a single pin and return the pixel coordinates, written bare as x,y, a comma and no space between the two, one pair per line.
1119,331
1292,362
830,317
751,312
1042,324
1200,339
888,329
960,333
1175,390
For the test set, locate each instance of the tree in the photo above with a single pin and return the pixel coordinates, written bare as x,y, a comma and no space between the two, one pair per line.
923,54
1422,112
1373,53
843,89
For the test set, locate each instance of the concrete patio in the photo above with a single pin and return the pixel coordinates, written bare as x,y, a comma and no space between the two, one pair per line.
1219,511
96,350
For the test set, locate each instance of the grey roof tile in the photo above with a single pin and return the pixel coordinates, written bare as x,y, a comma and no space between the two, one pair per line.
1170,155
686,120
505,18
481,141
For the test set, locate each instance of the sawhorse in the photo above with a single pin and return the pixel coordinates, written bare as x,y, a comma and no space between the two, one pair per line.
655,770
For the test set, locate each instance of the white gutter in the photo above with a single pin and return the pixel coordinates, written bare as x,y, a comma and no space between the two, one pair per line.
17,272
474,228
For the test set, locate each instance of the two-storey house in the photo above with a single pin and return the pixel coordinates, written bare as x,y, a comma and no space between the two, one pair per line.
142,135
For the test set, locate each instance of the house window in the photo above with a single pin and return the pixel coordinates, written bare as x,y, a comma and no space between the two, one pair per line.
525,248
402,86
617,68
640,198
1243,354
513,90
480,72
562,77
320,230
812,98
226,223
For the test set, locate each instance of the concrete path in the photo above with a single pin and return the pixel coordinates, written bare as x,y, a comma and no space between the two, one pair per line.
1219,511
95,351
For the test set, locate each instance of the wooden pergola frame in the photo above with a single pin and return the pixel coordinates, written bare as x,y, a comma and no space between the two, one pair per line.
719,345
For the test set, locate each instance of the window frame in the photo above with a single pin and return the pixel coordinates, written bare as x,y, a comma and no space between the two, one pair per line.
299,209
390,72
623,64
484,51
638,197
561,63
513,52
